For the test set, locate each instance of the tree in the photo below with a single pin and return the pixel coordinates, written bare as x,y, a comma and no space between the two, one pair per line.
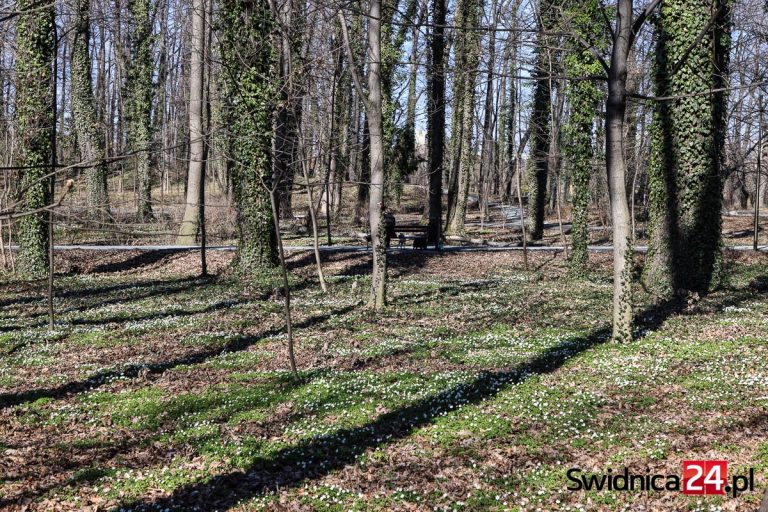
623,35
248,59
687,149
436,121
540,121
399,141
35,43
373,102
487,162
197,137
90,138
376,133
288,116
467,60
584,96
139,110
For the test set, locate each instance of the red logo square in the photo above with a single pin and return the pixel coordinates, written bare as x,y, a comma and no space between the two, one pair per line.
704,476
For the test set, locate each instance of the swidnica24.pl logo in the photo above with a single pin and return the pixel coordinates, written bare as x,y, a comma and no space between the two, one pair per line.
700,477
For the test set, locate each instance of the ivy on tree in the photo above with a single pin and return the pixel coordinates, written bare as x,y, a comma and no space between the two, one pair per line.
249,60
35,34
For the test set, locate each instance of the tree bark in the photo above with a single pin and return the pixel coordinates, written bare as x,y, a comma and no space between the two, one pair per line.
197,139
376,133
687,152
90,138
489,122
34,95
288,116
436,121
584,97
468,47
140,105
615,109
247,59
540,118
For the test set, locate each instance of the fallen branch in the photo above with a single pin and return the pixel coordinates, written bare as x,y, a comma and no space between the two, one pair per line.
12,214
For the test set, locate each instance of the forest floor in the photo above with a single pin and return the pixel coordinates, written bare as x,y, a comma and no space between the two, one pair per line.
476,389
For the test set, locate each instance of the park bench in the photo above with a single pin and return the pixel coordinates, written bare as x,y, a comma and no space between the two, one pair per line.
415,232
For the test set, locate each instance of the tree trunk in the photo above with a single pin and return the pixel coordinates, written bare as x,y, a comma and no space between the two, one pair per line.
364,176
34,95
584,97
540,117
288,115
615,110
376,133
436,121
687,152
468,47
247,59
90,138
489,124
195,174
140,105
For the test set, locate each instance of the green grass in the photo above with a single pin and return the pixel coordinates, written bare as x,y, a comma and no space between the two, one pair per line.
466,393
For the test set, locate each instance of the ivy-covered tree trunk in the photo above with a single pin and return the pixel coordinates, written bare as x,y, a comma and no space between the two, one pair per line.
140,105
399,142
34,117
90,138
540,121
584,97
468,46
687,154
248,61
488,147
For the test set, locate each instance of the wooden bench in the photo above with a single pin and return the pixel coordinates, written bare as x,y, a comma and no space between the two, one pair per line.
419,235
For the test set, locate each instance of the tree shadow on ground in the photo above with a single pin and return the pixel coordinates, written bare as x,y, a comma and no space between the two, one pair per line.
162,285
143,259
399,264
313,459
133,370
316,458
302,260
157,288
80,459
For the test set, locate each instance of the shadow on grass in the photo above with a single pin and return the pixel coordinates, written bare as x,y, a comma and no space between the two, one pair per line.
134,370
140,260
318,457
313,459
91,462
162,286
